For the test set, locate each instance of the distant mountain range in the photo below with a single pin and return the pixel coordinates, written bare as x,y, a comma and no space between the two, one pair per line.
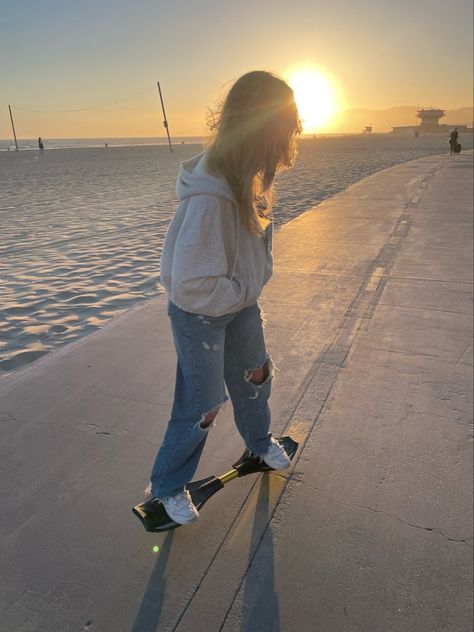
355,119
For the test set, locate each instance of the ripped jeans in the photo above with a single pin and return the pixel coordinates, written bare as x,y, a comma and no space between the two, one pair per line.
213,353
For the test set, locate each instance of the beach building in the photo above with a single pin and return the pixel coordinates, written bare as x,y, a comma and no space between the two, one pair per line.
429,124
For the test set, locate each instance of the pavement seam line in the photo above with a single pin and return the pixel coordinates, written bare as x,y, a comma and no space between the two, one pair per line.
211,562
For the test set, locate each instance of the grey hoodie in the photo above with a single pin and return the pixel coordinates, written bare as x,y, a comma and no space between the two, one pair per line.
211,264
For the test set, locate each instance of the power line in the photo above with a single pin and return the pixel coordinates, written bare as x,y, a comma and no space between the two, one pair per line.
92,107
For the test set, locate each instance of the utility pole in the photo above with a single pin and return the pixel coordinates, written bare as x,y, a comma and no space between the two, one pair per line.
165,122
13,127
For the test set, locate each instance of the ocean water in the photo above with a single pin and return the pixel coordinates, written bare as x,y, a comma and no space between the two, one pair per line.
81,230
31,144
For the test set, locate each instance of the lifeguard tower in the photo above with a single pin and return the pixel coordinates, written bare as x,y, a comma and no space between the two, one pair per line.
430,124
430,120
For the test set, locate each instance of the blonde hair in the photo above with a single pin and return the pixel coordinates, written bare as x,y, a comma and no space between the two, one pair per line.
253,137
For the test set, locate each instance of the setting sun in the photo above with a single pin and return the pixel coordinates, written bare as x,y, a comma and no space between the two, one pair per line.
316,98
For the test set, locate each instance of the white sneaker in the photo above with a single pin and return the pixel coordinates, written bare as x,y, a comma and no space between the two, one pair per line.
180,508
276,457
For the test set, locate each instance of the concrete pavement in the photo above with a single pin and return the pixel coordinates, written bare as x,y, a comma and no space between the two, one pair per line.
370,324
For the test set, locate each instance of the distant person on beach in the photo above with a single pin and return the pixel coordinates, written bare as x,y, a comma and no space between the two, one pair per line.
216,258
453,140
41,147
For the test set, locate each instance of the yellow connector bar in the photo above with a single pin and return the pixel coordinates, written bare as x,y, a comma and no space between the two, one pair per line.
228,476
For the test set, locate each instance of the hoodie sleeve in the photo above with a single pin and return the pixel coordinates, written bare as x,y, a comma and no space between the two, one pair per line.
203,259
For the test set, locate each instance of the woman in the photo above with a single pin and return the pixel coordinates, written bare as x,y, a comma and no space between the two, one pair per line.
215,261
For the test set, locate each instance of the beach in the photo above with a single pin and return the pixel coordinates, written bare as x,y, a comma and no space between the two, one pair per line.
82,230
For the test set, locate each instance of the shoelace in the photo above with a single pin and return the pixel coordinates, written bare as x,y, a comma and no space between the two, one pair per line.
182,501
260,459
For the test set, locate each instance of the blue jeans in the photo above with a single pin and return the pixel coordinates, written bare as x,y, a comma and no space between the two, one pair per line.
213,353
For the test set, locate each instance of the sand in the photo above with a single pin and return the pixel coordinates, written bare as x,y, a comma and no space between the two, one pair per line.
82,230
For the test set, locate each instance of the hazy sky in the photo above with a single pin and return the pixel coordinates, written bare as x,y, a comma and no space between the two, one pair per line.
69,54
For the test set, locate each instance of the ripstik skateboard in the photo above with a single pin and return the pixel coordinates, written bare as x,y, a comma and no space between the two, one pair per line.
152,513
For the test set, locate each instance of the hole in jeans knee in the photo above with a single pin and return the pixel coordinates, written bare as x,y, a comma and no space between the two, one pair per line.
258,376
207,419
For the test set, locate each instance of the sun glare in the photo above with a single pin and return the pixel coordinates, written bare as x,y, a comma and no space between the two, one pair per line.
315,96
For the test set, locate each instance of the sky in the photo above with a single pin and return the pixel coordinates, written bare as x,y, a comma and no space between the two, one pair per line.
60,55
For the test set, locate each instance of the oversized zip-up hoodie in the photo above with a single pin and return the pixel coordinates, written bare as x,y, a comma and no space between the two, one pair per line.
210,263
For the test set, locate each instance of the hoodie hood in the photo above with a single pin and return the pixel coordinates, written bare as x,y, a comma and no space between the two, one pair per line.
194,179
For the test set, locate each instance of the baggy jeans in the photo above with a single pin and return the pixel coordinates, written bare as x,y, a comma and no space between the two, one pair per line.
213,353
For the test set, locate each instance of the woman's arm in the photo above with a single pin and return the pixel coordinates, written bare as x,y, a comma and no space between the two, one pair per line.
203,259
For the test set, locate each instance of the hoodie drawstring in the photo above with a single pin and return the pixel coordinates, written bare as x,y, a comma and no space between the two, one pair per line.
237,248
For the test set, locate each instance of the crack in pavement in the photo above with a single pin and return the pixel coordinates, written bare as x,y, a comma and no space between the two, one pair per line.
387,513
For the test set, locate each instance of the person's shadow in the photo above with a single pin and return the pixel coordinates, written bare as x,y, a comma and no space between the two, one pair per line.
260,610
149,613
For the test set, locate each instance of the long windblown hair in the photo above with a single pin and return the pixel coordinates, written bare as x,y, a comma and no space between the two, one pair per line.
253,137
